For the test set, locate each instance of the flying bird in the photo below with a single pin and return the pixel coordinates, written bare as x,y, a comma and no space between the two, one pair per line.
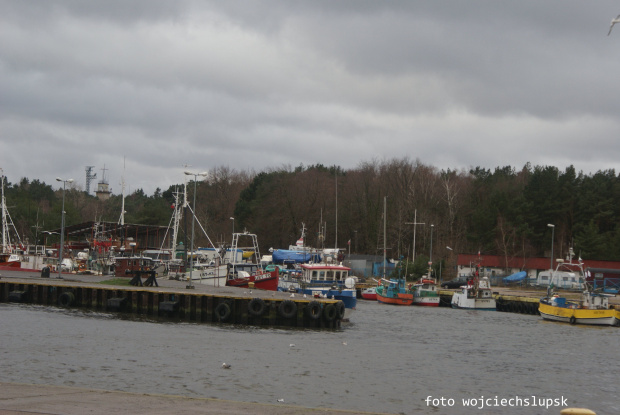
280,400
291,345
225,366
613,22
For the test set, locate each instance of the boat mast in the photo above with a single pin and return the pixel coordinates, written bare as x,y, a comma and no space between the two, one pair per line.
5,230
6,221
177,220
384,232
122,218
336,237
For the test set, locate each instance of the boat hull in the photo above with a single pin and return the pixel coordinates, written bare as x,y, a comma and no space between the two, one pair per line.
370,294
461,301
267,281
426,301
399,299
607,317
348,297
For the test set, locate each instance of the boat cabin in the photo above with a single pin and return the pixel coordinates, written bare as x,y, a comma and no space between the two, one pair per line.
318,273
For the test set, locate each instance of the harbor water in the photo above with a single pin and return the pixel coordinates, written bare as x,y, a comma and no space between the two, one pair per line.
408,360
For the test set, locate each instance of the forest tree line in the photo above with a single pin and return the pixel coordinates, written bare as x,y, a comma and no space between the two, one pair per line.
503,212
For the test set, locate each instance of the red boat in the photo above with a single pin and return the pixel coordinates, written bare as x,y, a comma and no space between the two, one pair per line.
370,294
241,275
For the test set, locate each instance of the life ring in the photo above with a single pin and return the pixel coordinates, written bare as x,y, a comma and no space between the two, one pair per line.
287,308
223,311
66,299
257,307
329,312
340,308
313,310
572,320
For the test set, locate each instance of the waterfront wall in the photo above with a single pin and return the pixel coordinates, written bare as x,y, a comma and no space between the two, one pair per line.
179,305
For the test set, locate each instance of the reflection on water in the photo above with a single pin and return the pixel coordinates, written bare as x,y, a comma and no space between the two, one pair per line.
388,359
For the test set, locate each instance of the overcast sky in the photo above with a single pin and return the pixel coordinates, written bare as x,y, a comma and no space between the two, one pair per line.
265,84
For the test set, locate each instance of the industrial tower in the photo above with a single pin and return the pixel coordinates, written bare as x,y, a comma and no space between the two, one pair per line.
89,177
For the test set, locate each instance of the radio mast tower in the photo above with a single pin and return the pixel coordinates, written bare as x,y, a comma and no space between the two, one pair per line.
89,177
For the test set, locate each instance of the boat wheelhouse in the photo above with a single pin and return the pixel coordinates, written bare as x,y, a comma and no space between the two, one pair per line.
327,280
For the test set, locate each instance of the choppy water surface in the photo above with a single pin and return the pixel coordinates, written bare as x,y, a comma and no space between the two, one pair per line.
393,359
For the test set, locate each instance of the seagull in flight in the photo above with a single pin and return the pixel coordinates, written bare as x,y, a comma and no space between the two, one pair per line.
613,22
225,366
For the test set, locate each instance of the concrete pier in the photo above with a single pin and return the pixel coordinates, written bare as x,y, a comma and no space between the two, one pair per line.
172,299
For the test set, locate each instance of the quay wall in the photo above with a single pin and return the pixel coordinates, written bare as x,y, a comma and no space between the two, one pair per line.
179,305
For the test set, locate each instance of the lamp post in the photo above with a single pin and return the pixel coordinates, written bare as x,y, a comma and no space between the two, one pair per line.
233,221
62,224
191,259
552,237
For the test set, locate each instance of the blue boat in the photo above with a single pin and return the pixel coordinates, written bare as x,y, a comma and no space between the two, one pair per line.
325,280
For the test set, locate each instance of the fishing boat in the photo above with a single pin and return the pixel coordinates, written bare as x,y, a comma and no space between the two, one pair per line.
425,293
395,291
250,274
326,280
369,293
476,295
591,308
392,291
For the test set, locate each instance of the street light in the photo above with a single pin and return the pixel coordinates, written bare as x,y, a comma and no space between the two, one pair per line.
552,237
62,224
191,259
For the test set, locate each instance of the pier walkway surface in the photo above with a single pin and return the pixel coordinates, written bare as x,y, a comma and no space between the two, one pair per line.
24,399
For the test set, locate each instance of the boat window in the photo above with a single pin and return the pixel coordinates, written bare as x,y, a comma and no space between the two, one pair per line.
337,275
322,275
330,275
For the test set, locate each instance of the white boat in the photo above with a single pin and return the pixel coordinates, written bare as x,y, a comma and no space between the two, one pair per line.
426,293
476,295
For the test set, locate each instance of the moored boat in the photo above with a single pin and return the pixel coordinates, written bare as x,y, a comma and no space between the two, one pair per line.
242,275
369,293
395,291
425,293
591,308
246,274
476,295
326,280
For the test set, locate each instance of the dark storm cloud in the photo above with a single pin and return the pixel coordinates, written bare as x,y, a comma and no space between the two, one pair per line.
259,84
